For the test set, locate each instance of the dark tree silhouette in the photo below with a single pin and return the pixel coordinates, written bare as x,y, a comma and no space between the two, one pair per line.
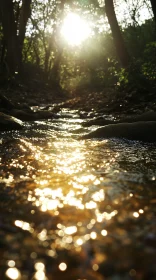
24,16
10,34
153,3
116,33
14,21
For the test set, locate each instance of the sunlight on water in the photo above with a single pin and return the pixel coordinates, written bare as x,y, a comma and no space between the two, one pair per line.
8,180
70,230
71,203
40,271
11,263
66,178
13,273
24,225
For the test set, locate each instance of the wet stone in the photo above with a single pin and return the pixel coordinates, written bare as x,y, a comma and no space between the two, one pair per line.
9,122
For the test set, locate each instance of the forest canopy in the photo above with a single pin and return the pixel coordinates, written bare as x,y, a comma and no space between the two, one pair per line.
75,45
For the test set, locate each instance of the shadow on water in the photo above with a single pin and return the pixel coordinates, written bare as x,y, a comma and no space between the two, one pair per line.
75,209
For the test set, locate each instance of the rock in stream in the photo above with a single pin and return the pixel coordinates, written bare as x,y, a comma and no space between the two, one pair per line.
8,122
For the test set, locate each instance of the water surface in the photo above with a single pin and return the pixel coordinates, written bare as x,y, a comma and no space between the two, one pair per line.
76,209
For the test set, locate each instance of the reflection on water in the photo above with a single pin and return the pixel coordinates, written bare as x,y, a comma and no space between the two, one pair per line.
13,273
73,209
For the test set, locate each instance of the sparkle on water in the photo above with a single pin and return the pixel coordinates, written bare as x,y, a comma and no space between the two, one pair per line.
73,201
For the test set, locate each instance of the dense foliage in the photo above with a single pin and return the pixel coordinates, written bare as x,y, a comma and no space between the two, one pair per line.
36,50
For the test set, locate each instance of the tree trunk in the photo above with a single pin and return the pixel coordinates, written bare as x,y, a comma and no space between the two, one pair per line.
10,35
14,42
153,4
55,73
24,16
48,50
116,33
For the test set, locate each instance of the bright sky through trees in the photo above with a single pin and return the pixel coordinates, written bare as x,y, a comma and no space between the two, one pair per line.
126,10
75,30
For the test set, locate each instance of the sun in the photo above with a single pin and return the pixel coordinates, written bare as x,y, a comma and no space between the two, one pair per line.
75,30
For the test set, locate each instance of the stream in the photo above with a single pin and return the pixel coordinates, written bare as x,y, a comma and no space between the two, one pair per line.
76,209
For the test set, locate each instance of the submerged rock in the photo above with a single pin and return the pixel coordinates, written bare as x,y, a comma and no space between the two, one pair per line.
101,121
23,115
143,131
44,114
26,115
147,116
23,112
9,123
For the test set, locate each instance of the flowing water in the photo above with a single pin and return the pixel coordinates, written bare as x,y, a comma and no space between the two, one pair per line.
76,209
